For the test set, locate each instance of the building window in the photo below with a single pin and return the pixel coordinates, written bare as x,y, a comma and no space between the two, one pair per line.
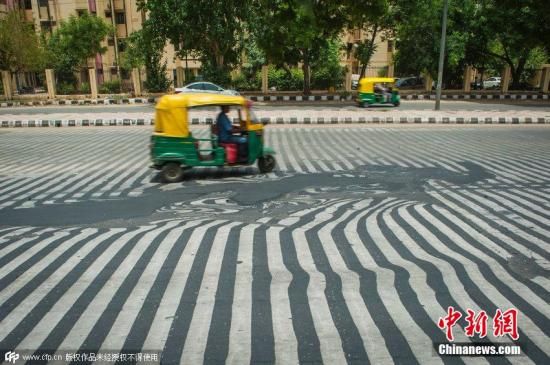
107,13
121,45
80,12
110,42
28,4
120,18
390,46
42,3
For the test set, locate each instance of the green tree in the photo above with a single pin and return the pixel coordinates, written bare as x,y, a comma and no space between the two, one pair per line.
295,32
516,30
74,41
484,33
207,29
379,22
20,48
326,70
144,48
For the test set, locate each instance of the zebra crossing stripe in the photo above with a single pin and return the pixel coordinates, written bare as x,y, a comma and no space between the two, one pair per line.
168,307
375,294
497,267
16,254
10,240
34,303
534,334
369,334
241,317
486,206
116,337
43,328
487,226
517,208
400,310
331,351
193,351
285,342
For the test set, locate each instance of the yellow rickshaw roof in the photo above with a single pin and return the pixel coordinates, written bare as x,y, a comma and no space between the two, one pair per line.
374,80
187,100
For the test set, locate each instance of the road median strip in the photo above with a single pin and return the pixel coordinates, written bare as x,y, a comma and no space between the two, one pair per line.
277,98
279,120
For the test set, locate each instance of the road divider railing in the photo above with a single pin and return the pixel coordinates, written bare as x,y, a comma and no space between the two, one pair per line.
279,120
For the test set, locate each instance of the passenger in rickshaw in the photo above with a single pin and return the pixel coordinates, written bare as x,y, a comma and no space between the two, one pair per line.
384,93
226,132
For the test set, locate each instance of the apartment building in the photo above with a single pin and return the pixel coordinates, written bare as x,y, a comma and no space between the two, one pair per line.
126,18
382,59
122,14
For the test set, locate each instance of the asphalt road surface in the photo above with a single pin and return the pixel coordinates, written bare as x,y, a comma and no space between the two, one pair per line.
349,253
485,105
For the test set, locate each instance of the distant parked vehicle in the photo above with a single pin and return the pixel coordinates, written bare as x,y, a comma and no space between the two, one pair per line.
205,87
410,83
491,83
354,81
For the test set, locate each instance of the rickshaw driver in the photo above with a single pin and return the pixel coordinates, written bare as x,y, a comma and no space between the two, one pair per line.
385,93
226,130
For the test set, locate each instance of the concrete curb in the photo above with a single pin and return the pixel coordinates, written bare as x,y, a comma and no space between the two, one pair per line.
280,98
279,120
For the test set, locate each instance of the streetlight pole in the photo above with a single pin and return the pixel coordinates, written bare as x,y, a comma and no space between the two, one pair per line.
441,56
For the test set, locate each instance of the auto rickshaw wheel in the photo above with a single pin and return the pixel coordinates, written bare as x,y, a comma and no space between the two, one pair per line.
396,103
171,172
266,164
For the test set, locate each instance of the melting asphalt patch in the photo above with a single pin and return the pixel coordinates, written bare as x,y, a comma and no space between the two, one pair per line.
245,196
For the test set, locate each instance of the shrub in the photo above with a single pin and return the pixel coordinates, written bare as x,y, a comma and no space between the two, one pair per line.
110,87
84,88
65,88
326,77
326,71
244,83
284,80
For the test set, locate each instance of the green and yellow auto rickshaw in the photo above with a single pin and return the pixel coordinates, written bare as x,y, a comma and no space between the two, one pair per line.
174,148
377,90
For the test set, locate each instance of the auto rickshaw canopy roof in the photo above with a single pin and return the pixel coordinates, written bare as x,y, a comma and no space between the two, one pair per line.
366,84
171,110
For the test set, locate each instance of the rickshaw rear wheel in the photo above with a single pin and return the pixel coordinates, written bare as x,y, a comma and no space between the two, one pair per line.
266,164
171,172
396,103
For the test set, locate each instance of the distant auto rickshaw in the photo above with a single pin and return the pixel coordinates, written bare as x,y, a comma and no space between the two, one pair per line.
377,90
174,148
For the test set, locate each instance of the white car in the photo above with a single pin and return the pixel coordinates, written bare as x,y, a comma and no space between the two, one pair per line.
491,82
205,87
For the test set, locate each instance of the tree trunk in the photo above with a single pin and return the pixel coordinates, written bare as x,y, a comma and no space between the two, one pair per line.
517,72
363,70
370,53
307,77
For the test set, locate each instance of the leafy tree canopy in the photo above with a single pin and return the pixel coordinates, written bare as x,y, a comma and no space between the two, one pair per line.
207,29
295,31
484,33
76,40
20,48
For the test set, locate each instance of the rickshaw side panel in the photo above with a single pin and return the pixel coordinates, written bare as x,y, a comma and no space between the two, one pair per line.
254,146
369,98
182,150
